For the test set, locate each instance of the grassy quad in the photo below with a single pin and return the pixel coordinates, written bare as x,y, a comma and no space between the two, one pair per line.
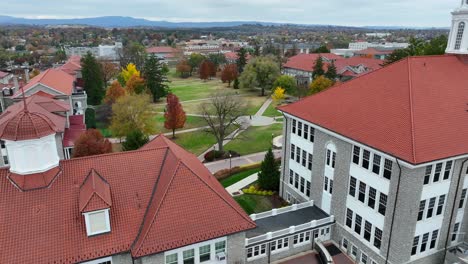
255,139
271,110
238,177
197,142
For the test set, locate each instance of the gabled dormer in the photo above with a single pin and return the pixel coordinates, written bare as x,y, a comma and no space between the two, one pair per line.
95,202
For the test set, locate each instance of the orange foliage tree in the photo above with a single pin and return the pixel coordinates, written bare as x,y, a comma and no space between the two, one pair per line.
207,70
91,143
135,85
114,92
229,74
175,115
184,69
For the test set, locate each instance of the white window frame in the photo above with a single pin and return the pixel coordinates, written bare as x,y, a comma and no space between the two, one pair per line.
88,224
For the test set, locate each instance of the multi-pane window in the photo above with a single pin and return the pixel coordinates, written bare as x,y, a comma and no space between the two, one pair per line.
306,131
427,174
357,224
377,238
356,154
437,172
382,204
312,134
424,241
220,247
430,209
205,253
349,218
354,251
440,205
302,185
345,243
362,192
298,155
422,206
296,181
414,249
331,158
291,177
372,195
367,231
308,188
331,186
456,228
352,186
301,238
299,129
304,158
363,258
376,164
435,235
172,259
458,40
256,251
365,159
448,169
388,169
294,126
293,151
462,199
309,162
279,244
325,184
189,256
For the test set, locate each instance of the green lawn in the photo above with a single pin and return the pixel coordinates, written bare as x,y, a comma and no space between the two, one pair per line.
254,204
104,129
194,88
191,122
255,139
196,142
271,110
238,177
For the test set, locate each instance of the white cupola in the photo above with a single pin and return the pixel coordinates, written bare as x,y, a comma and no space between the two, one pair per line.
30,143
458,38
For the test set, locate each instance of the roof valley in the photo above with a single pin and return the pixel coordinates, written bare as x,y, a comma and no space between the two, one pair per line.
410,91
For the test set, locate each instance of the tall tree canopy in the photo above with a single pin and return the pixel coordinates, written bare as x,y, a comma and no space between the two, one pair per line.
134,140
184,69
128,72
241,60
288,83
331,71
92,78
418,47
229,74
114,92
132,112
318,68
217,59
175,116
134,53
206,70
195,60
260,72
322,49
319,84
91,143
269,175
135,85
156,78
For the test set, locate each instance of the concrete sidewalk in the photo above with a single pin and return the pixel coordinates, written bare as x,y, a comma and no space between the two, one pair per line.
241,184
216,166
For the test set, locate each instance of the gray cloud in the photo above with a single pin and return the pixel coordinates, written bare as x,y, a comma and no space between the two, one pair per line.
337,12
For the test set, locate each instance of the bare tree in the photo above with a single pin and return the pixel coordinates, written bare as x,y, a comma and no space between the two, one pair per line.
223,112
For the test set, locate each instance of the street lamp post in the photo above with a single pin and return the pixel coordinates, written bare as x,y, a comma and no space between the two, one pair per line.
230,163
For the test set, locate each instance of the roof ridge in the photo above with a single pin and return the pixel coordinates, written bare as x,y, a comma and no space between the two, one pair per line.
159,205
242,214
410,91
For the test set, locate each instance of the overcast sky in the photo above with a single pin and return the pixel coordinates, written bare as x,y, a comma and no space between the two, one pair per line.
337,12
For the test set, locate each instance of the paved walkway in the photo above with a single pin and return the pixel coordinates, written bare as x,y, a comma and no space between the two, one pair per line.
241,184
240,161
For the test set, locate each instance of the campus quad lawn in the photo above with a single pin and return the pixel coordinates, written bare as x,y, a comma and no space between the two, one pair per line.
271,110
191,122
255,139
238,177
197,142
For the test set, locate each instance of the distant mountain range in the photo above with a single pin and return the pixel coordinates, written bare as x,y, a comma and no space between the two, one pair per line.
125,22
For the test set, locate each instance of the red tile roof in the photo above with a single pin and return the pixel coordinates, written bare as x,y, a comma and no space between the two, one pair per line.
55,79
95,193
72,65
4,74
26,125
159,202
306,62
414,109
161,50
234,56
34,181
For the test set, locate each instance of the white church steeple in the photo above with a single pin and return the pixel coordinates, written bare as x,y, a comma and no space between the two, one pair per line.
458,38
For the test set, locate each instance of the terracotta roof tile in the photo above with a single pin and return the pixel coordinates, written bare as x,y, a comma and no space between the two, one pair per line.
26,125
95,193
56,79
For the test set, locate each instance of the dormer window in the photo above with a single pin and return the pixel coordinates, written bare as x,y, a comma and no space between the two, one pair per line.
97,222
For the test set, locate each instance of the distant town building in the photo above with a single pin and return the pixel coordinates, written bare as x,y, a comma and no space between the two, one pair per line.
106,52
361,45
166,54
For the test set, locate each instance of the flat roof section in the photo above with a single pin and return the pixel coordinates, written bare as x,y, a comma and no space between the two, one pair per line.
285,220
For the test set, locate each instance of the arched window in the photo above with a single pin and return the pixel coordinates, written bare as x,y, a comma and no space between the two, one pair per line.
461,29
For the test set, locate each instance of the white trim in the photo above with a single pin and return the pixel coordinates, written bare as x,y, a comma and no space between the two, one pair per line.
88,227
98,261
196,248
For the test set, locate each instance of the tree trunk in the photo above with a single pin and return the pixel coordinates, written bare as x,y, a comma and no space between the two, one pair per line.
263,91
220,146
173,133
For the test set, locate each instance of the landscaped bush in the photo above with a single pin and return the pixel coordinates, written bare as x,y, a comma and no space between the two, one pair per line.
213,155
223,174
253,190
